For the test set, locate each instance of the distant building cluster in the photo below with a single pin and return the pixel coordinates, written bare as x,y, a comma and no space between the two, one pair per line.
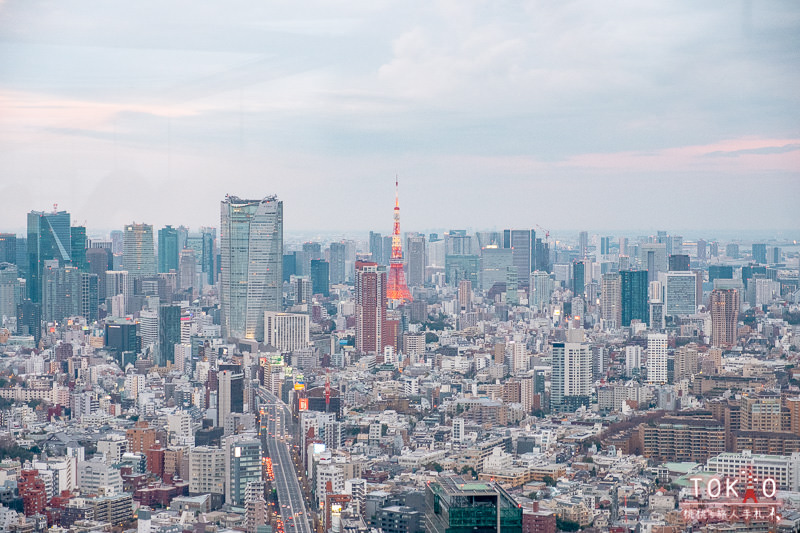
232,379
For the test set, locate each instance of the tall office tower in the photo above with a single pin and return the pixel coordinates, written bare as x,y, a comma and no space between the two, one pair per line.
286,332
338,259
386,250
230,392
719,272
22,256
61,291
633,293
610,300
208,254
289,266
572,373
138,255
97,260
465,295
773,255
583,244
495,266
320,275
542,256
679,263
732,251
78,245
242,466
623,246
117,238
370,307
187,268
396,287
251,235
724,316
416,260
376,247
701,249
10,295
680,292
169,333
759,253
90,296
521,242
148,330
605,245
653,259
168,249
48,238
117,283
713,249
541,290
29,319
676,245
578,277
8,248
657,358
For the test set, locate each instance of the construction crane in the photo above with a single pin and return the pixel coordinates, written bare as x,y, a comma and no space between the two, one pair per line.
546,233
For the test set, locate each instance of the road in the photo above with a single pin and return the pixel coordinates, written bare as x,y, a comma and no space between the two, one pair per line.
276,436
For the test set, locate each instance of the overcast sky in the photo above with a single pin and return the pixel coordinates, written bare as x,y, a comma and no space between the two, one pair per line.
567,114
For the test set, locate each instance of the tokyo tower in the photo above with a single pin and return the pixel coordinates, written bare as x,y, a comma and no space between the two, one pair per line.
397,290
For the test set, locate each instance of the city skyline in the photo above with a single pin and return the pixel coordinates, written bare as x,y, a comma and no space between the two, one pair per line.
625,116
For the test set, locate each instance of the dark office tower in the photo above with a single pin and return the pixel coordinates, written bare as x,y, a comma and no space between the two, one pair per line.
48,238
311,251
679,263
61,292
759,253
578,277
732,251
209,236
455,505
583,244
415,260
542,256
90,296
22,257
701,249
320,274
230,392
169,333
719,272
376,247
29,319
633,290
289,266
183,236
78,247
605,245
167,249
386,252
251,243
521,242
97,261
8,248
338,253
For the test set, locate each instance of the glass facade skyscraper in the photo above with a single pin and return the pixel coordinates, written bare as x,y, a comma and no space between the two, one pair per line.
49,238
633,293
167,249
251,252
138,253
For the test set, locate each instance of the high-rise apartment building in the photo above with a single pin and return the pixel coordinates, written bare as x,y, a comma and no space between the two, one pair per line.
633,295
724,316
230,392
572,373
168,249
251,235
611,300
370,307
657,358
465,295
206,470
49,237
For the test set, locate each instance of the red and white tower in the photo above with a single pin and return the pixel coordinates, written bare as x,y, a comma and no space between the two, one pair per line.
397,289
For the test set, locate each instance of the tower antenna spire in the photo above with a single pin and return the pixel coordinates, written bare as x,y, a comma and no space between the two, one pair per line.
397,289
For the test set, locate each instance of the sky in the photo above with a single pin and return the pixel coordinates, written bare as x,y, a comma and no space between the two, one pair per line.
679,115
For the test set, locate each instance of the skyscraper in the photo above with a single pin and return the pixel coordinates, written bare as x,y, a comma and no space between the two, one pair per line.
208,256
416,260
578,277
78,245
320,275
169,333
657,358
337,260
251,235
633,294
9,291
653,259
98,263
759,253
138,252
230,395
8,248
48,238
605,245
396,287
680,291
376,247
679,263
167,249
370,307
242,466
572,373
724,316
583,244
521,242
541,290
610,300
